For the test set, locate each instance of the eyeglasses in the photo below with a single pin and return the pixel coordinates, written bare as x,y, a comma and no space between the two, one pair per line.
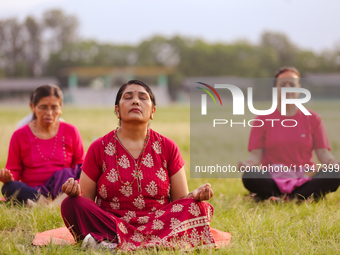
45,108
289,84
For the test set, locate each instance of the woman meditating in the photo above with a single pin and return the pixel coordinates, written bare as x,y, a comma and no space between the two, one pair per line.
43,154
137,178
290,147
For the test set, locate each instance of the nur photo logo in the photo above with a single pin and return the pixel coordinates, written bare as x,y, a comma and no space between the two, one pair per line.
238,99
204,97
238,102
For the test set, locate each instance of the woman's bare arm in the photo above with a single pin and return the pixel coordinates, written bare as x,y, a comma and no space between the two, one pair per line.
88,187
179,188
254,158
326,157
178,185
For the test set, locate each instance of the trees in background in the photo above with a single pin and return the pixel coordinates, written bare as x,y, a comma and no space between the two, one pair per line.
45,46
25,46
194,57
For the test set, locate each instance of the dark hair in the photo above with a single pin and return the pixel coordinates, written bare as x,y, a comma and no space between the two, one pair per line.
31,98
285,69
46,91
137,82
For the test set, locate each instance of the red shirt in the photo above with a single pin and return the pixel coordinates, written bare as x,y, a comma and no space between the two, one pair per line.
162,148
145,216
162,160
289,145
29,166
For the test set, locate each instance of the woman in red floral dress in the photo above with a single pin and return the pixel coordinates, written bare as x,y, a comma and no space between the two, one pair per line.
137,178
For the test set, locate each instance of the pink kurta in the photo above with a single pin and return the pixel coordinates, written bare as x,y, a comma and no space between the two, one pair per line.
147,218
32,167
289,146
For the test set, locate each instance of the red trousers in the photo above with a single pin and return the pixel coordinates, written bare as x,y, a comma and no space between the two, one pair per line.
83,216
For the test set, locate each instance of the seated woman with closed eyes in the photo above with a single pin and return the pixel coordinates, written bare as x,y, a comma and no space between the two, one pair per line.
134,187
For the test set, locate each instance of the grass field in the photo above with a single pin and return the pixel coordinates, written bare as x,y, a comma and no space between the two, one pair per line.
263,228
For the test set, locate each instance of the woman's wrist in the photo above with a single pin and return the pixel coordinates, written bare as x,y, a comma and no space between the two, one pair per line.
250,162
189,195
332,161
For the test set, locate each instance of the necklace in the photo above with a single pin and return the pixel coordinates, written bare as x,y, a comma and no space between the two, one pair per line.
136,176
55,142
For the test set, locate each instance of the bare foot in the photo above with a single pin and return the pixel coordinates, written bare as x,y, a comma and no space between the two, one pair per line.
42,201
59,199
30,203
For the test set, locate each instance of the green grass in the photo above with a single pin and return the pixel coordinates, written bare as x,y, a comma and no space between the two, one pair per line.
262,228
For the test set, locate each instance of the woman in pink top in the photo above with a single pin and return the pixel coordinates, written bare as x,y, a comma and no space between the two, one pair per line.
285,149
43,154
134,186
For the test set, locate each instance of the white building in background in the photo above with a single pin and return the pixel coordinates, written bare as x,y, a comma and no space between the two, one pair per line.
99,85
18,90
89,86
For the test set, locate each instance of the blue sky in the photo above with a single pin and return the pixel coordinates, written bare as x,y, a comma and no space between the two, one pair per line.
311,24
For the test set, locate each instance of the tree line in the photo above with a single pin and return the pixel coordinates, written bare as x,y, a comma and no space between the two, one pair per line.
44,46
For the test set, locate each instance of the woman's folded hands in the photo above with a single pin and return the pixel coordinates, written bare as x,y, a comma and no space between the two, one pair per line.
204,192
71,188
6,175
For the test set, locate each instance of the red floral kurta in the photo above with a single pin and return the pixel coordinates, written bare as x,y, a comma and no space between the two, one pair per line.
147,218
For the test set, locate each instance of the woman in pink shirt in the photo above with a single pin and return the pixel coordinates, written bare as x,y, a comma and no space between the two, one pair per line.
44,153
289,151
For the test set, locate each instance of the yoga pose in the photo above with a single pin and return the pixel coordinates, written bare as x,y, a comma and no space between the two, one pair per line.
43,154
290,147
133,185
